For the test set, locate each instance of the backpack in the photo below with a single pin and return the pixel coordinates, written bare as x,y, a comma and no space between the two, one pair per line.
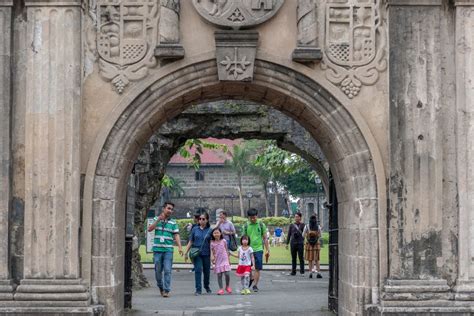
313,237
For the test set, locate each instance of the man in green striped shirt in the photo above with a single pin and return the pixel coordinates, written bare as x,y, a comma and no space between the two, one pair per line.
166,231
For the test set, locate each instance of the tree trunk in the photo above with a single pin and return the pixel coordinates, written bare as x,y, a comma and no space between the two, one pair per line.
267,204
241,199
288,202
276,197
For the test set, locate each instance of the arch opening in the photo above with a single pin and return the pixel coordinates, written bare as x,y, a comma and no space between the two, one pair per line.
327,120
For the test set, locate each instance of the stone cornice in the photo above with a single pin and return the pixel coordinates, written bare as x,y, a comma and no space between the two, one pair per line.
410,3
464,3
6,3
53,3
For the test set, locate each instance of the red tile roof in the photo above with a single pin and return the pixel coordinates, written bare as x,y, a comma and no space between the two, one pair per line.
209,157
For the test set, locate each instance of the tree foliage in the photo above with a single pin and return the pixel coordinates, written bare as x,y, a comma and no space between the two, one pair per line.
199,144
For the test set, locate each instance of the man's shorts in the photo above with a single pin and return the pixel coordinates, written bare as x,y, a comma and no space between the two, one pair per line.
258,255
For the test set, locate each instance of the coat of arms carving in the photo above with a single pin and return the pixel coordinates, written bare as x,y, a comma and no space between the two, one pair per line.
237,13
126,39
355,44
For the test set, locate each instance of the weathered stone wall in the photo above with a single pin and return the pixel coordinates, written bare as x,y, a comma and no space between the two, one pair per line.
413,123
6,289
464,56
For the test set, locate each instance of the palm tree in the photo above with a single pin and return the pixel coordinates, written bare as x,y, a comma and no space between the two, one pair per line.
240,164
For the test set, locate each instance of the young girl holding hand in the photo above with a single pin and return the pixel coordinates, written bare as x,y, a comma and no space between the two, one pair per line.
220,259
246,261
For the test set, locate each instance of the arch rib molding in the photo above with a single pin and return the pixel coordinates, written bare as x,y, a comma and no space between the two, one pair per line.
350,148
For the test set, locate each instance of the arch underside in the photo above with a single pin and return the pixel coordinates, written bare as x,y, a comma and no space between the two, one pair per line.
292,93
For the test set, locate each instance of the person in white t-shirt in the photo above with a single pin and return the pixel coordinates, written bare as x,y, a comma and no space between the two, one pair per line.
246,262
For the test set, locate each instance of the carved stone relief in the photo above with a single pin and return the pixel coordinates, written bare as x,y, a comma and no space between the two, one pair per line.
127,33
355,44
237,14
307,24
169,46
235,53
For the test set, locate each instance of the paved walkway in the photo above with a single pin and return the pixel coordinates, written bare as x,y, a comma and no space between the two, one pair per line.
279,294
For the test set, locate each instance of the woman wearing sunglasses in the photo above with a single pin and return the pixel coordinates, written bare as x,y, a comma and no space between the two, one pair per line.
198,249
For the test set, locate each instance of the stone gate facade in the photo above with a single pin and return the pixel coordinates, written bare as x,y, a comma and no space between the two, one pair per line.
384,86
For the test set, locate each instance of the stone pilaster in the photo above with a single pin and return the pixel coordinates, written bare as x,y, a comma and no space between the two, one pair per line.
52,154
308,47
6,288
169,46
422,214
465,145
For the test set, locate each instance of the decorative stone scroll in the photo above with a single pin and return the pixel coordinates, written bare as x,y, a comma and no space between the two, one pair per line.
237,14
355,43
127,33
307,23
169,46
235,53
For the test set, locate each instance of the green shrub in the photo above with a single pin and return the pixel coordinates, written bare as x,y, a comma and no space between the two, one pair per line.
276,221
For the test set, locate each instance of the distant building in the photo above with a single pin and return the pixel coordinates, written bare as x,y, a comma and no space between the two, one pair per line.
214,185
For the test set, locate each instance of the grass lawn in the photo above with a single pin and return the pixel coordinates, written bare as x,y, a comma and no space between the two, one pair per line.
278,255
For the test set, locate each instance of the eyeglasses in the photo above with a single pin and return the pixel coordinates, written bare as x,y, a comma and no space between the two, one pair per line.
202,219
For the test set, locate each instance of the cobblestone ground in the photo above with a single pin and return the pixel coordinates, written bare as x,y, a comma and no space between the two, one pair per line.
279,294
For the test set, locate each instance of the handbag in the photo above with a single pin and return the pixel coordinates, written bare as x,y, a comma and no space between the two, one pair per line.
232,243
195,251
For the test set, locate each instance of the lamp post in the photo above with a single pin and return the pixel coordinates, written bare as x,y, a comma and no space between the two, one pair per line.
249,196
200,201
232,206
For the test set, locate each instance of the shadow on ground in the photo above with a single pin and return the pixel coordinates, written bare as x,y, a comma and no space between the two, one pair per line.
279,294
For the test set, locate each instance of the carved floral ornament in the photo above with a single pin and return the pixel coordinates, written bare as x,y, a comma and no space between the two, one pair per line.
355,43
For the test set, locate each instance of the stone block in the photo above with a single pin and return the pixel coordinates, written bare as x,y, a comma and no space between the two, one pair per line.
104,187
102,271
169,51
306,54
104,213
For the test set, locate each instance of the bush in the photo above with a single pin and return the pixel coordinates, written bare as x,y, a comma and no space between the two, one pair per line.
183,232
276,221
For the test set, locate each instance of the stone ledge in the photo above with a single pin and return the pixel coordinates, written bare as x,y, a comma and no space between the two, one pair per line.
53,311
464,2
50,290
306,54
169,51
45,3
374,310
410,3
7,288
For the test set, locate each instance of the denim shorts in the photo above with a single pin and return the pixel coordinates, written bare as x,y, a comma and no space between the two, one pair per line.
258,255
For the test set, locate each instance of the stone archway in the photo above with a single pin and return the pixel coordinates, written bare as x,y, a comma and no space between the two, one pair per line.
329,122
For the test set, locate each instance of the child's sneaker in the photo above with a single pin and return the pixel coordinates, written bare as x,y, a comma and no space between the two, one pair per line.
220,292
243,292
247,291
229,290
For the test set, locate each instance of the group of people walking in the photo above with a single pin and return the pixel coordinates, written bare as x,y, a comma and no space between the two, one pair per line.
213,246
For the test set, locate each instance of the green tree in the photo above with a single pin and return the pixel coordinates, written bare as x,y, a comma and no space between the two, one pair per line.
199,144
300,181
240,163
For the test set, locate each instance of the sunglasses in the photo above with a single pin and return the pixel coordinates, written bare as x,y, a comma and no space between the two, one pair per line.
202,219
